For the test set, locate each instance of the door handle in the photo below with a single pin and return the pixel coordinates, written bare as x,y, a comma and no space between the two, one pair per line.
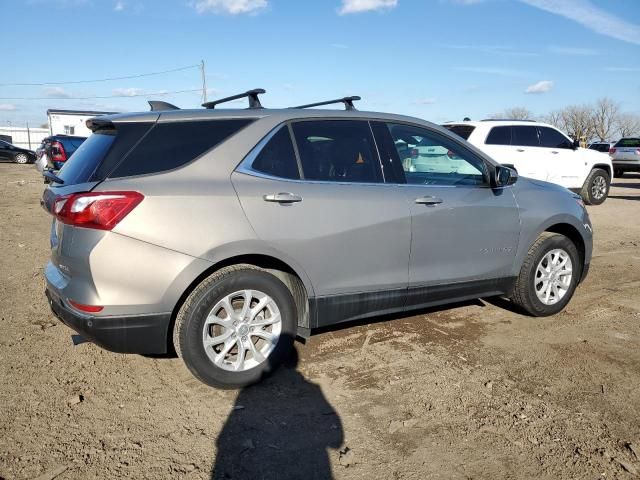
282,197
520,150
554,151
428,201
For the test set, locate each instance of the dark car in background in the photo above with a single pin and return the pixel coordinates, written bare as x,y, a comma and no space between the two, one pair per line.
58,149
602,147
11,153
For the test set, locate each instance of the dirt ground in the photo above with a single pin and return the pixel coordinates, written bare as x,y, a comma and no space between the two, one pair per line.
465,391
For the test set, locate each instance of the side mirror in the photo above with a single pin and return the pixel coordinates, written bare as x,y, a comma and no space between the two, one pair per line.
576,144
504,176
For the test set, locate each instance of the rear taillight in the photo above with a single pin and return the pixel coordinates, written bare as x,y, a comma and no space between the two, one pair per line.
637,151
612,151
100,210
58,153
86,308
415,153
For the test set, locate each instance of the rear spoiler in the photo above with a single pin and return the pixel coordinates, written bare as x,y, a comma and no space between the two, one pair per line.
98,123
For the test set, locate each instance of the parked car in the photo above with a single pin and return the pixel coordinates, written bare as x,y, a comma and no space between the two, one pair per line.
625,155
11,153
602,147
226,233
540,151
58,149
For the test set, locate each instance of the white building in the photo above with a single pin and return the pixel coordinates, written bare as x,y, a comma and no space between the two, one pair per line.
71,122
24,137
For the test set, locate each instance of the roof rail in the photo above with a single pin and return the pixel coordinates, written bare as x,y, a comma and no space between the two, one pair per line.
160,105
254,101
348,103
506,120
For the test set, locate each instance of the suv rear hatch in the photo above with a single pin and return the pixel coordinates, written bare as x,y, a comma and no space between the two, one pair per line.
462,130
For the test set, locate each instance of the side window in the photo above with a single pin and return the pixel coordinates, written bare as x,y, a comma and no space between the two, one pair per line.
552,138
337,151
499,136
278,158
173,144
431,159
524,136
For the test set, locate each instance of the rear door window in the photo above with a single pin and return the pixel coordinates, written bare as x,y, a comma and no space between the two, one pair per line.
524,136
337,151
277,158
499,136
551,138
173,144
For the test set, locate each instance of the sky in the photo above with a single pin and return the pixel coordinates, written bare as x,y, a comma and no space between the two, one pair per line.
435,59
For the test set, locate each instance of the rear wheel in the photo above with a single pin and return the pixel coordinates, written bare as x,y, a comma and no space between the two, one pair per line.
236,327
549,276
596,187
21,158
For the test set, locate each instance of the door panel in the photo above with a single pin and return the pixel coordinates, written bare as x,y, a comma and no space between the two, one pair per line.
349,238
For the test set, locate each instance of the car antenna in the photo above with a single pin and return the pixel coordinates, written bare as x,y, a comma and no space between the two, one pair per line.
348,103
254,101
160,105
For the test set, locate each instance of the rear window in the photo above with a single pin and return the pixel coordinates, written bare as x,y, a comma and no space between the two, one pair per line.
629,142
278,158
85,160
171,145
524,136
463,131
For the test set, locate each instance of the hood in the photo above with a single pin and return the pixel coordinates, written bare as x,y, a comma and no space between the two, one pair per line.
541,184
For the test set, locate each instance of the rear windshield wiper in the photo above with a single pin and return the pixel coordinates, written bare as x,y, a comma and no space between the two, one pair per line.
48,174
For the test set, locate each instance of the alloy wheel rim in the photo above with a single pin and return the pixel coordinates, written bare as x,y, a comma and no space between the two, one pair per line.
21,158
242,330
599,187
553,276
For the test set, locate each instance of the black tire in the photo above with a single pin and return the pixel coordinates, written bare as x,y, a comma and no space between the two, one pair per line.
592,193
618,172
21,158
524,294
189,326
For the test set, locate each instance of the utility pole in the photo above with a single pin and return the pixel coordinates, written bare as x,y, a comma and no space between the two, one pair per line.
204,82
28,136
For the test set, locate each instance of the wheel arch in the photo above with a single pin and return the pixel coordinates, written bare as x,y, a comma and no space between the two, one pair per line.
574,235
603,166
294,281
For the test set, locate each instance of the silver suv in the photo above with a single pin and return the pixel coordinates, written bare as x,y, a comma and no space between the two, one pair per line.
226,233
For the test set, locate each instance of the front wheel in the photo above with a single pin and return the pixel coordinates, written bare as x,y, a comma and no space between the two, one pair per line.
21,158
236,327
549,276
596,187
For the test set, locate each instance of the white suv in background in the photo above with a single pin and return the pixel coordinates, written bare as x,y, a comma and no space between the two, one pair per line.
540,151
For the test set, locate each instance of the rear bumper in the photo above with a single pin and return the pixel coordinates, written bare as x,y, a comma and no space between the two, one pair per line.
627,165
134,334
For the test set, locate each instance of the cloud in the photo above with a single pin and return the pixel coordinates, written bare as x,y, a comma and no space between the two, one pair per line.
504,72
56,92
7,107
543,86
574,51
339,45
594,18
359,6
128,92
119,6
231,7
426,101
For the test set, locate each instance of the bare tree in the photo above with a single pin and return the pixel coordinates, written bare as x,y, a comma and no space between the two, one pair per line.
578,122
514,113
628,125
556,119
605,118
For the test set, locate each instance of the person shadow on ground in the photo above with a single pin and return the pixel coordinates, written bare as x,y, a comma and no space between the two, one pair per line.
281,428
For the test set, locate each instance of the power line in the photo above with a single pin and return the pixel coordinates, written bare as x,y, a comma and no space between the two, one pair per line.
40,84
103,96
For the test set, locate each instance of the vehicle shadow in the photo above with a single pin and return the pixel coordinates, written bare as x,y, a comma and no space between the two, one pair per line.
281,428
617,183
626,197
